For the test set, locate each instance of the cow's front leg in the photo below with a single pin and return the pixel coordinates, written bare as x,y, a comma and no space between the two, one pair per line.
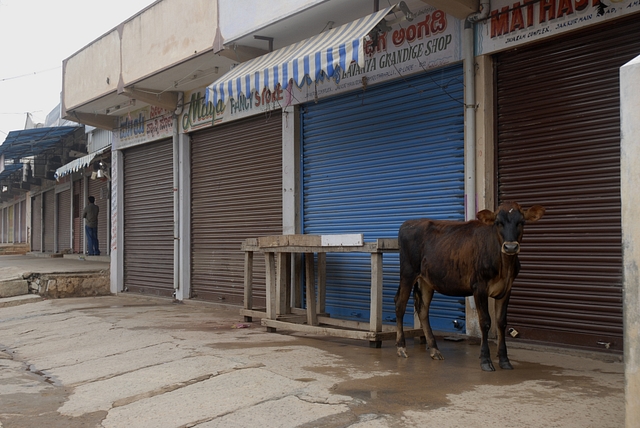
482,305
422,297
501,316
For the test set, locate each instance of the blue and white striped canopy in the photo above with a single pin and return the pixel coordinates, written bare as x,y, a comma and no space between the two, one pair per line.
324,52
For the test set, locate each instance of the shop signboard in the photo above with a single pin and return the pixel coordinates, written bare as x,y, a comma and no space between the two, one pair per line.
431,40
511,24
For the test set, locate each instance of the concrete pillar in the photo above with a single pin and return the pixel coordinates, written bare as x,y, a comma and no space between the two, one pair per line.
290,168
629,185
184,196
117,223
484,164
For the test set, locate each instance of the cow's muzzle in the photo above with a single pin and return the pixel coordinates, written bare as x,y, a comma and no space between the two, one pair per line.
511,248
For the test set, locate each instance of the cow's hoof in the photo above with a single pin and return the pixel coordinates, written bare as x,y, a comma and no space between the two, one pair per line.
506,365
435,354
487,366
402,352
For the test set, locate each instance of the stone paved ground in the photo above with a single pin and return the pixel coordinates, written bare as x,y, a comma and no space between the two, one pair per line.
126,361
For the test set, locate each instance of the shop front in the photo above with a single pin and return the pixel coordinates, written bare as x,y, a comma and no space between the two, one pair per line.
558,145
379,136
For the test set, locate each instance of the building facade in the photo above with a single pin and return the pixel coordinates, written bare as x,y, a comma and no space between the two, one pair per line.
226,136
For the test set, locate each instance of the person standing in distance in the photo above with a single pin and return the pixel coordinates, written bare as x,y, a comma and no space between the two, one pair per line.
90,214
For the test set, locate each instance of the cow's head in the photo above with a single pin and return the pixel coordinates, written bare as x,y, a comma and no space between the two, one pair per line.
509,221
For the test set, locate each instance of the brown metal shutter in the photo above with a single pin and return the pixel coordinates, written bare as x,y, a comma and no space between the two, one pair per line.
99,189
148,218
22,238
36,223
64,220
559,146
78,224
236,193
49,221
5,225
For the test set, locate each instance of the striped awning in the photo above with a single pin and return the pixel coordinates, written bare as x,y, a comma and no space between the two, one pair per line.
78,164
337,47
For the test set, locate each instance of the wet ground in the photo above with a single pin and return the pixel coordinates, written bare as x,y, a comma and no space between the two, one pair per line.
139,362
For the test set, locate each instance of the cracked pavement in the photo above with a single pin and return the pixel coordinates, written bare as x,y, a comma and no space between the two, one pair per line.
130,361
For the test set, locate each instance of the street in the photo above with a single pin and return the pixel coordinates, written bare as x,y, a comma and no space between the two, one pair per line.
129,361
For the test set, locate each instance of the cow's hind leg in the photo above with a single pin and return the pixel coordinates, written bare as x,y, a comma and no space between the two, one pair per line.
422,297
401,299
482,305
501,316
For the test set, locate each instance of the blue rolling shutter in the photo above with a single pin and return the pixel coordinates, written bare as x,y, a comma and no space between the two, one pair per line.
374,159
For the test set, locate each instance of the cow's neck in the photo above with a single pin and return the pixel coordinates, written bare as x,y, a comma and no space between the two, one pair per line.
508,268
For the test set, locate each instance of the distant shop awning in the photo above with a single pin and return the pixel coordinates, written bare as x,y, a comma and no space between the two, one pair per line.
31,142
78,164
9,169
321,53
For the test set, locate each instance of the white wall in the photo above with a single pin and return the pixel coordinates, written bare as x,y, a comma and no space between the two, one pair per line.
163,35
629,185
242,17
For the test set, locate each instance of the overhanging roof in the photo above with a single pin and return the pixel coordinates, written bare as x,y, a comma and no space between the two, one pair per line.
77,164
30,142
321,53
10,169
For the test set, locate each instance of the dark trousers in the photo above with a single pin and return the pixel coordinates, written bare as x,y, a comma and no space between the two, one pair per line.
93,248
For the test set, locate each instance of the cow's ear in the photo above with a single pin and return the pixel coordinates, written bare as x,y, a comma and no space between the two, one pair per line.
534,213
486,217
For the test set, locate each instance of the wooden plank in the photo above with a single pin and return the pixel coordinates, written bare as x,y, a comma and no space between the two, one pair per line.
390,244
273,241
312,318
282,305
299,311
250,244
375,314
270,265
248,280
319,330
253,313
354,325
322,282
367,247
289,240
292,318
347,240
304,240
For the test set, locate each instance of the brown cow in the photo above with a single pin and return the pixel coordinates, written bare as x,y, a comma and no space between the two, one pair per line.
477,258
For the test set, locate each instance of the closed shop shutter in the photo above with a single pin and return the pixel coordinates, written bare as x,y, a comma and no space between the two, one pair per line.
64,220
372,160
559,146
148,218
236,193
4,228
78,224
36,223
99,188
49,221
10,223
23,221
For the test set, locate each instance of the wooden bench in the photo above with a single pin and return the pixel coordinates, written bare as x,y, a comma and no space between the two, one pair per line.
279,312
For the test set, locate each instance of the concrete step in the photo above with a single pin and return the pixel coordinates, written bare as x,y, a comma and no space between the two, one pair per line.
105,259
19,300
13,287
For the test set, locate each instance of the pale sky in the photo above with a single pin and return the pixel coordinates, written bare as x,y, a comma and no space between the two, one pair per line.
35,36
